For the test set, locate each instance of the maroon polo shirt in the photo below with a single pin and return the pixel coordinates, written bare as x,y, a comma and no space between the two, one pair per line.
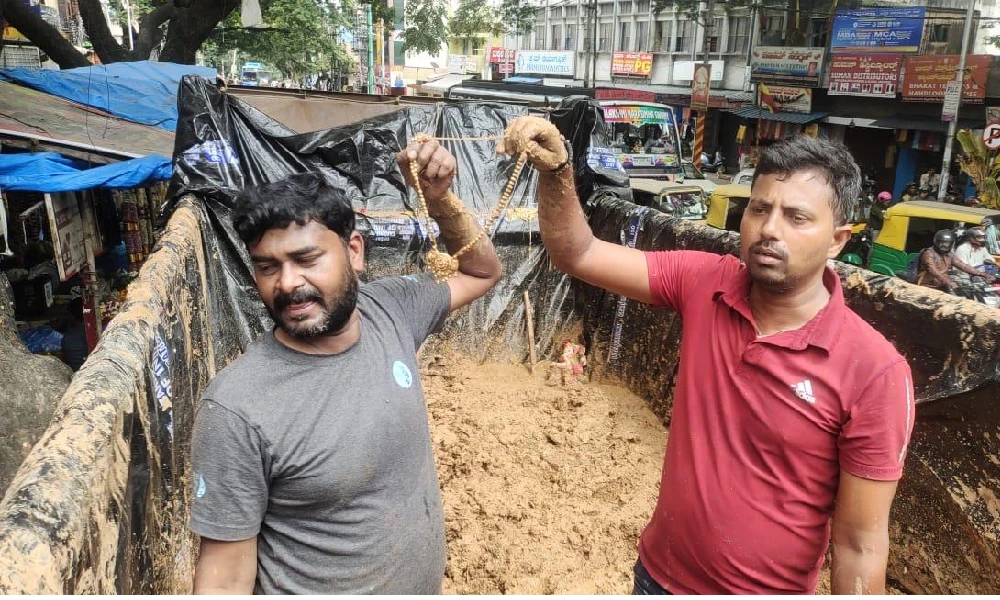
761,429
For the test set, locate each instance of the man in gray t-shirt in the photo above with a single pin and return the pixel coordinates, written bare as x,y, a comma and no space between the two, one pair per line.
313,470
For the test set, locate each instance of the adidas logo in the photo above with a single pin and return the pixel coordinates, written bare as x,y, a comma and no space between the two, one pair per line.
804,390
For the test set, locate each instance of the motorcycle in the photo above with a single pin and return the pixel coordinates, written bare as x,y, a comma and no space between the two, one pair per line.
858,250
980,291
716,164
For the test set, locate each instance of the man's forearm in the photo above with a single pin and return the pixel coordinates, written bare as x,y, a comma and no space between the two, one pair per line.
457,228
565,231
858,570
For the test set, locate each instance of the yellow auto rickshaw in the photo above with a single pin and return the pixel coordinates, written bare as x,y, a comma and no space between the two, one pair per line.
675,199
726,206
910,227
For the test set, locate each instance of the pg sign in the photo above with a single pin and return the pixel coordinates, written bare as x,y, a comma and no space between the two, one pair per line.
991,136
633,64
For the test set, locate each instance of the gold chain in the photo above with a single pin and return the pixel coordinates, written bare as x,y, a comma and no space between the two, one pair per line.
441,264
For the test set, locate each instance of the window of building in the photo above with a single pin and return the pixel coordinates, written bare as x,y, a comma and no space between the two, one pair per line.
938,33
739,34
642,7
642,35
570,12
685,36
570,37
604,39
624,7
557,12
661,36
540,39
477,46
817,33
623,39
714,35
557,37
605,8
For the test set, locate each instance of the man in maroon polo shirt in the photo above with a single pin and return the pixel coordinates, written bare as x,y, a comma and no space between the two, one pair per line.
790,411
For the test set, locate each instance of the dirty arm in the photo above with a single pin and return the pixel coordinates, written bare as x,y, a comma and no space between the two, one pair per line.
226,567
961,265
939,276
570,243
861,535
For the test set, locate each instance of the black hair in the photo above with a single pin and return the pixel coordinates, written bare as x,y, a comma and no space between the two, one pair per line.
832,160
297,198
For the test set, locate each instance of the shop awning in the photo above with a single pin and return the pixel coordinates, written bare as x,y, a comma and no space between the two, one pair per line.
924,123
442,84
53,123
753,112
51,172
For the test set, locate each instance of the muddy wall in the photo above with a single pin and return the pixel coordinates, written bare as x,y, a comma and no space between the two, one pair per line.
99,504
946,519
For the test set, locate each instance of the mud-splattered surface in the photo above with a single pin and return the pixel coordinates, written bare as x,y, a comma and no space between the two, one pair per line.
545,489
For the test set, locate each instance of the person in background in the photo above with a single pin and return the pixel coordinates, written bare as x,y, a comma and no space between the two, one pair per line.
910,193
936,262
74,342
803,420
876,215
925,194
931,180
992,237
972,251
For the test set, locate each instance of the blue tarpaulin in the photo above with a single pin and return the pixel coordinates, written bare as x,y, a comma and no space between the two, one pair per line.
52,172
142,92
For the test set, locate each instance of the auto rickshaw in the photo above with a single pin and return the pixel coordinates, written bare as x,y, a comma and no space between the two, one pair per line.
676,199
726,206
910,227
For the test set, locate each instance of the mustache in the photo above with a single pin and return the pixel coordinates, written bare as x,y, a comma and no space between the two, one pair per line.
283,301
762,248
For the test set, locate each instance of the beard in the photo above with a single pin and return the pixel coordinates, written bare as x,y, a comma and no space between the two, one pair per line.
335,309
772,276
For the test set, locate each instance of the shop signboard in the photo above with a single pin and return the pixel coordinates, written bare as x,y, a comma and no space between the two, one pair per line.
786,99
925,78
871,75
632,64
544,62
66,225
893,29
684,69
786,66
700,85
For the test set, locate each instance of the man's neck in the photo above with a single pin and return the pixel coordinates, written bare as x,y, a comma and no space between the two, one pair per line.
775,311
326,344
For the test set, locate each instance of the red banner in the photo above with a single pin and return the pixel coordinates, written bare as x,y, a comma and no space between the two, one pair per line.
635,64
502,55
873,75
925,78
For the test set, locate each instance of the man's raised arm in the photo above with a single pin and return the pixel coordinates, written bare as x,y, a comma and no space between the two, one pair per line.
568,239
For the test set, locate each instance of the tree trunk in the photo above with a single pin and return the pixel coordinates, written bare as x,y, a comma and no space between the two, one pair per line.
99,33
43,35
190,27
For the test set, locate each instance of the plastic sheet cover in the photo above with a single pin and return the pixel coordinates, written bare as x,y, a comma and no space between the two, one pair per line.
223,145
52,172
142,91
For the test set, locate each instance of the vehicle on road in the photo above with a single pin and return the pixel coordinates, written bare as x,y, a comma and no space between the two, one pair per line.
744,177
643,137
689,202
694,176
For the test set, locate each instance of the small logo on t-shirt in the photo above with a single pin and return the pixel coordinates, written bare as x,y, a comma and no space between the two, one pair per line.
401,373
804,390
199,485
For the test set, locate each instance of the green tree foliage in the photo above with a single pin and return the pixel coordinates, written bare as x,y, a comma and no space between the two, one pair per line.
297,37
982,165
426,25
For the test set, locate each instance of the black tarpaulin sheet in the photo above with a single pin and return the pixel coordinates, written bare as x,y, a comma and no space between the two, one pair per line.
223,145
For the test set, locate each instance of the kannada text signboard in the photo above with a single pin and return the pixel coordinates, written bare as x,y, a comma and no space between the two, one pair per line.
544,62
895,29
925,78
786,99
632,64
786,66
872,75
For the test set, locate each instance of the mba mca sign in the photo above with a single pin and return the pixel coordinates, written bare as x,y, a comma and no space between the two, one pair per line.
887,29
545,62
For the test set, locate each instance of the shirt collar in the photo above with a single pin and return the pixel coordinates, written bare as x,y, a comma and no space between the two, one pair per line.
821,331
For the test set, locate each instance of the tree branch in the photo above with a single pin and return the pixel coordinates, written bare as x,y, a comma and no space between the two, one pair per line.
43,35
150,34
99,33
191,26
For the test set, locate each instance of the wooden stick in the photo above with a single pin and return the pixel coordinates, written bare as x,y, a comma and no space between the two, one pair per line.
529,316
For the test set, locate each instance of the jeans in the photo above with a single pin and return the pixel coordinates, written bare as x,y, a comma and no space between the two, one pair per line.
645,585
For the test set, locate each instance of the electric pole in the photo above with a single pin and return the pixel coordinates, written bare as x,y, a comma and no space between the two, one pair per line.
953,125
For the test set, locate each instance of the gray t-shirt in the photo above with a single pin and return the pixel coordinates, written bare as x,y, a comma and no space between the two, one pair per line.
328,459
